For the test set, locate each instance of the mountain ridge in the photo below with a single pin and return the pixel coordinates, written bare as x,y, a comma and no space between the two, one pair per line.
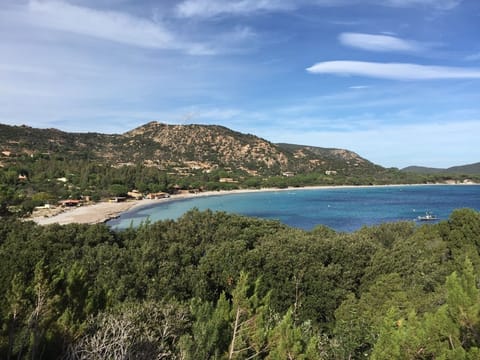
468,169
191,146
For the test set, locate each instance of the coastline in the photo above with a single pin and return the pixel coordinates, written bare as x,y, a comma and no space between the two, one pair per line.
103,211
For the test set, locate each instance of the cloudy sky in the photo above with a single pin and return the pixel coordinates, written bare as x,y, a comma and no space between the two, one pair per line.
397,81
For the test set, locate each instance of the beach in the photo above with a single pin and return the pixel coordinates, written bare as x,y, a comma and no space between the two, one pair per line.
103,211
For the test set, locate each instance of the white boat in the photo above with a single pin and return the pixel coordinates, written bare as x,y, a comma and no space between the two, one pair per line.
427,217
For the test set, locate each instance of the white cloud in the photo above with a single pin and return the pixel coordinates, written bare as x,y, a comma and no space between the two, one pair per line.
393,71
108,25
437,4
378,42
359,87
211,8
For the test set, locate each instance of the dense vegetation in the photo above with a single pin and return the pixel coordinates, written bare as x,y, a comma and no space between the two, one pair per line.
220,286
39,166
473,169
29,181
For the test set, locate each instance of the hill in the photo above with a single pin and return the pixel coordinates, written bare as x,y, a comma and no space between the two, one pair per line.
335,157
44,166
182,149
470,169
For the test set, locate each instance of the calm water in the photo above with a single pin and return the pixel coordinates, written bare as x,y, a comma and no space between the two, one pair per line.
343,209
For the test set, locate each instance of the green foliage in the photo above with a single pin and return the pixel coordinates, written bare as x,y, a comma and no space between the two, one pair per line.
394,291
448,332
157,157
286,340
209,337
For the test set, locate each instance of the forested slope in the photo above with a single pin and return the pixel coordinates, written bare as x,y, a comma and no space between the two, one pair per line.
45,166
220,286
471,169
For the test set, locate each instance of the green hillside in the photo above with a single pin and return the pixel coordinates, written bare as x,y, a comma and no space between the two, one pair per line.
472,169
39,166
222,286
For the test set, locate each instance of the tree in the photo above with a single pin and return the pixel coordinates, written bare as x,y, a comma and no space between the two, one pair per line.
17,306
118,190
450,332
209,337
358,321
251,320
285,341
76,303
133,331
43,311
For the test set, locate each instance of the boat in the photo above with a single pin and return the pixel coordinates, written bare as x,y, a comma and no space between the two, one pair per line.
427,217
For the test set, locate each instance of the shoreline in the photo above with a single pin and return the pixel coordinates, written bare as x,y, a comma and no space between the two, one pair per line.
104,211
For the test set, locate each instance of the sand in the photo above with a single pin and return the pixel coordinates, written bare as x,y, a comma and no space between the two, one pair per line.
86,214
104,211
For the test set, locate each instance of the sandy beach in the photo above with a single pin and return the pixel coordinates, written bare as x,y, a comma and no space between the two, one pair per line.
86,214
104,211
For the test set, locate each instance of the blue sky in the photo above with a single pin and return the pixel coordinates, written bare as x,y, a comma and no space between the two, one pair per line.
397,81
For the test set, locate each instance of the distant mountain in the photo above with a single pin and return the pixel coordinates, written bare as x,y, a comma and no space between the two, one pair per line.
181,148
470,169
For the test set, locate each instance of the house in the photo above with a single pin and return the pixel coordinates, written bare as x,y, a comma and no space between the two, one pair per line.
22,177
159,195
137,195
6,153
45,206
118,199
227,180
288,174
330,172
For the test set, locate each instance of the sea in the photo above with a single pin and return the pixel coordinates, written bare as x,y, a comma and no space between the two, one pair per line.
344,209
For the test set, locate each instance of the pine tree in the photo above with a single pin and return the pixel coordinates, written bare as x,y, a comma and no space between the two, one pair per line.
286,340
210,331
17,303
251,321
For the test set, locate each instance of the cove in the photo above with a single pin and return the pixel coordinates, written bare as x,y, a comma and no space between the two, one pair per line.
342,209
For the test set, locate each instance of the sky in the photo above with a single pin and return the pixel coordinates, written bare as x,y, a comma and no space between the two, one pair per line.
397,81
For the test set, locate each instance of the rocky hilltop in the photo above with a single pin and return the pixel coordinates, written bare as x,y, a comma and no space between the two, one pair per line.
182,148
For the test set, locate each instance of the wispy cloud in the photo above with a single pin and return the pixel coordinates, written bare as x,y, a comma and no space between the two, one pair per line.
378,42
238,40
212,8
437,4
393,71
108,25
359,87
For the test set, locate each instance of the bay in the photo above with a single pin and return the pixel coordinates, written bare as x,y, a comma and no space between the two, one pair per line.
343,209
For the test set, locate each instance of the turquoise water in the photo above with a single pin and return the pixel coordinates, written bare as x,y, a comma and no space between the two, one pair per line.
342,209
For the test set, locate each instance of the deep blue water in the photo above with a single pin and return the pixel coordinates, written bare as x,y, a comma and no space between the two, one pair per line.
342,209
